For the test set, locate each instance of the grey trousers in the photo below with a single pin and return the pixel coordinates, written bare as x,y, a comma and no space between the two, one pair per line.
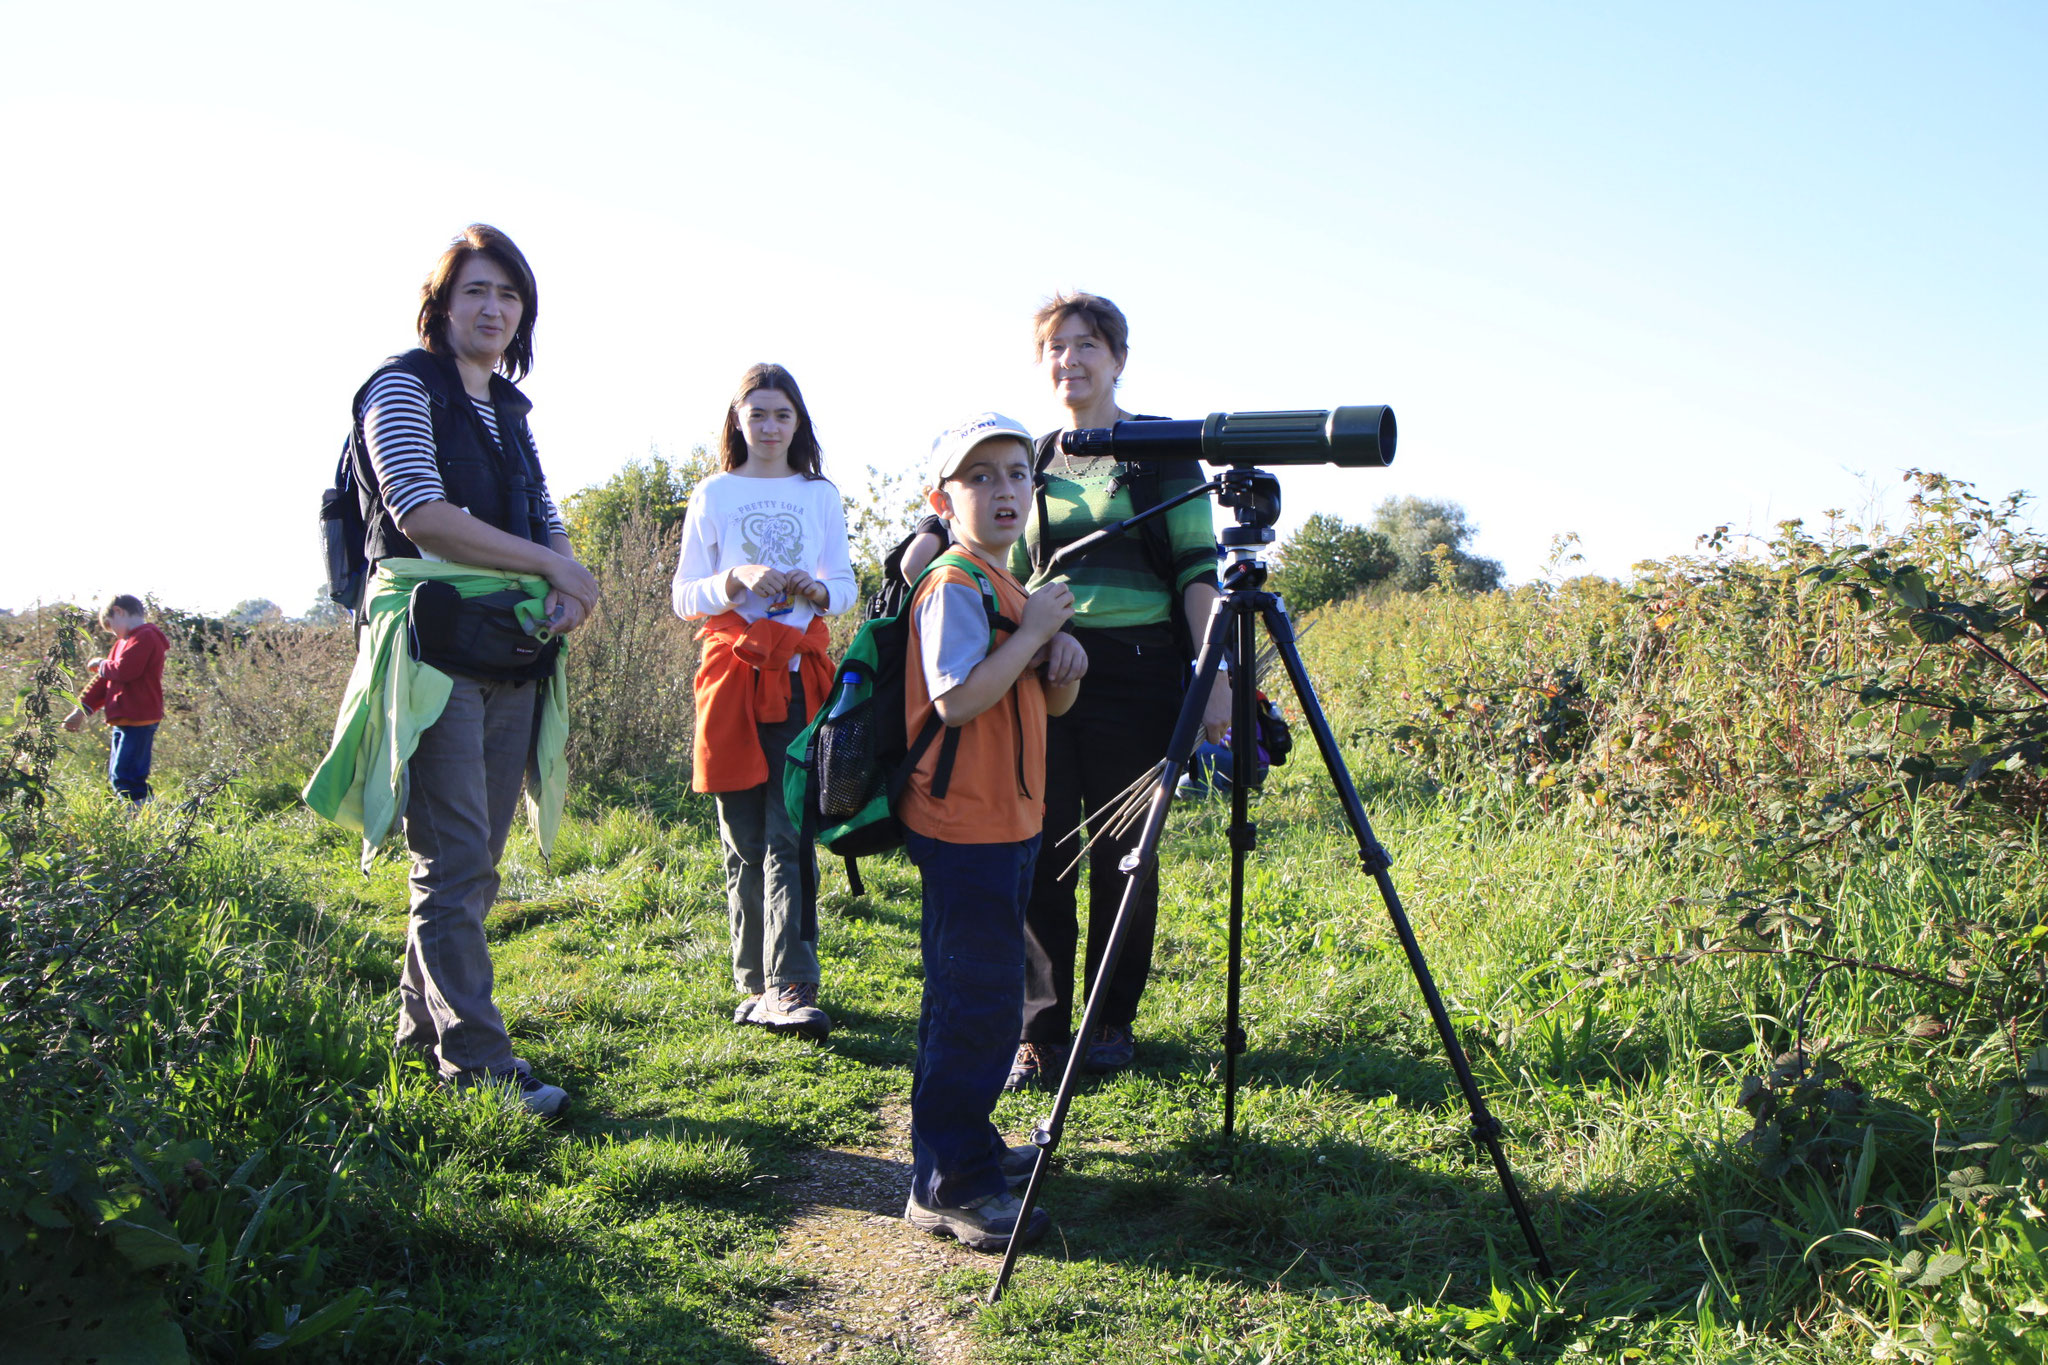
771,871
465,780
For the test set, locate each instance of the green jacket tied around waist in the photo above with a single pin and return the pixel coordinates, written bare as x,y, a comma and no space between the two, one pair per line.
392,700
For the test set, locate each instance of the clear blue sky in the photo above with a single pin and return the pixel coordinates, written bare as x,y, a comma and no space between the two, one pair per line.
1625,271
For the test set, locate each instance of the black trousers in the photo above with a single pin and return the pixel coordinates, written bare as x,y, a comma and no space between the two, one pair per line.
1119,726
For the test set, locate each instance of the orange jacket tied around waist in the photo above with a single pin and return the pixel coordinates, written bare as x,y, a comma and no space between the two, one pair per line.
743,681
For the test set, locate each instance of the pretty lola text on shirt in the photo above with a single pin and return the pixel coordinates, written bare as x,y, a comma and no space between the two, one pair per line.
790,523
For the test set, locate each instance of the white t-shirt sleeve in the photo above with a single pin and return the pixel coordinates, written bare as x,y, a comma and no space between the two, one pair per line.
699,586
835,564
952,624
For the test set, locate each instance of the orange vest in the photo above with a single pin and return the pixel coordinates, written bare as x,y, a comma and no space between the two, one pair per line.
743,681
996,792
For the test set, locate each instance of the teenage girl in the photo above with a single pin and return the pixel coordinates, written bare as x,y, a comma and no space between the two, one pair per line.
764,560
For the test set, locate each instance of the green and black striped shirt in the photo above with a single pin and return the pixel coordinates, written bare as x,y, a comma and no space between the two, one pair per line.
1117,584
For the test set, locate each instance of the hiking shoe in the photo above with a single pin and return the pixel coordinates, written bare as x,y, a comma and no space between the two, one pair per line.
987,1224
1017,1163
793,1008
744,1012
1111,1049
1036,1064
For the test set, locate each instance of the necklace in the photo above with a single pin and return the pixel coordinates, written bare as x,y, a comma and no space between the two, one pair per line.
1092,468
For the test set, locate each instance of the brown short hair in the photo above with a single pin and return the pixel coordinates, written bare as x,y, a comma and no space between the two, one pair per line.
805,457
127,602
1104,319
439,289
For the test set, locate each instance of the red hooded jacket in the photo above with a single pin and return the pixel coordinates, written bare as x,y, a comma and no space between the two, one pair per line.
131,682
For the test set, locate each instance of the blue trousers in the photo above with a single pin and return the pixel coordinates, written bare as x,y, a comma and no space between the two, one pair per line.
973,942
128,764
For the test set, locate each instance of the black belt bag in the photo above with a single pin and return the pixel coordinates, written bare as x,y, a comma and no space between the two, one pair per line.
478,637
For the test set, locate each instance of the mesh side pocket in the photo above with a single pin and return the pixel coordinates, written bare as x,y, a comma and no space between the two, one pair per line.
848,776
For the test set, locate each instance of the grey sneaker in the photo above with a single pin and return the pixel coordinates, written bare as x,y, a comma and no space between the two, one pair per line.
987,1224
518,1082
1017,1163
743,1013
793,1008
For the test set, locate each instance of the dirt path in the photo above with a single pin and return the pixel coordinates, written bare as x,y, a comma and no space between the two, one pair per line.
875,1280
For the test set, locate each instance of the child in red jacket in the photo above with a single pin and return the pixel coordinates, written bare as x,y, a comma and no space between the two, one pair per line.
129,683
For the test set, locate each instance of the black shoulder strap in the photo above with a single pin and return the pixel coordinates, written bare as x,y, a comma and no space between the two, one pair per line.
1043,459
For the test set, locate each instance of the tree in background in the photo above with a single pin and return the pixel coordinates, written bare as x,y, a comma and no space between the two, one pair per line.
1428,539
1327,560
650,491
255,611
631,663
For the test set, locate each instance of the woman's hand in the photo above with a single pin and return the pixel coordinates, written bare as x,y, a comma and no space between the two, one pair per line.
757,579
565,613
1216,715
1063,660
74,720
572,581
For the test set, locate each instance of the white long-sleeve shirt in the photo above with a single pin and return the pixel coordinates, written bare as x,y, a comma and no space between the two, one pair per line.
788,523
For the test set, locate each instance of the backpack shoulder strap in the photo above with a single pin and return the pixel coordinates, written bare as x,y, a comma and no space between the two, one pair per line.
989,601
1041,460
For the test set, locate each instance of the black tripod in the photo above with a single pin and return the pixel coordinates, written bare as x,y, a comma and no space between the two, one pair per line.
1254,496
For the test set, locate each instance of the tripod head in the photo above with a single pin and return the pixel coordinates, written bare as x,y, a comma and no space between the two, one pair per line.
1253,497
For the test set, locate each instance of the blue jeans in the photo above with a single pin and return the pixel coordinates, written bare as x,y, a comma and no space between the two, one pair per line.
128,764
973,942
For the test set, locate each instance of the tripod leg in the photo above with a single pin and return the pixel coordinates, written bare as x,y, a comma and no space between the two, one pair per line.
1244,837
1179,750
1485,1128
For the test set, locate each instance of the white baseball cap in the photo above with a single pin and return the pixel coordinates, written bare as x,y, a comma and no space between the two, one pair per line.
952,446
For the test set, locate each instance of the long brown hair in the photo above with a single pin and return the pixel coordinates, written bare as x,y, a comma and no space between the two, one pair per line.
439,289
804,456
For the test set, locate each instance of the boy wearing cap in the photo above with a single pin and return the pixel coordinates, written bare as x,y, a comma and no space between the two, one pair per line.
973,829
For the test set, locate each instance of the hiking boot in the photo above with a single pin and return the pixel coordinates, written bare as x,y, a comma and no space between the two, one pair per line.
1017,1163
793,1008
1038,1064
744,1012
986,1224
1111,1049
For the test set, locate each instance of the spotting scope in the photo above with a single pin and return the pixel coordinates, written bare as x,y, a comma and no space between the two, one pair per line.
1355,437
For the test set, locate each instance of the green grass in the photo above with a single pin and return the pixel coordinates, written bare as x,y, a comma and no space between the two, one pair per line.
1351,1219
197,1012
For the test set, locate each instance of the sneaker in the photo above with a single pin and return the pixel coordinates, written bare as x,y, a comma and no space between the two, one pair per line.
1037,1064
1111,1049
744,1012
793,1008
987,1224
1017,1163
519,1082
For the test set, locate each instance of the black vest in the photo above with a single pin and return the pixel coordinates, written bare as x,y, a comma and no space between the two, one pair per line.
503,489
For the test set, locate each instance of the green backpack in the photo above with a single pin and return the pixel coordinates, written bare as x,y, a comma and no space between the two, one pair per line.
847,770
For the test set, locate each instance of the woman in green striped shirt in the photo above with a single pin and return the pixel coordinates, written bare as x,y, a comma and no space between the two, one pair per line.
1138,600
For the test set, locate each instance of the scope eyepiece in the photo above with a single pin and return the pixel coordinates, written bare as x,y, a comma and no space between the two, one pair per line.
1354,437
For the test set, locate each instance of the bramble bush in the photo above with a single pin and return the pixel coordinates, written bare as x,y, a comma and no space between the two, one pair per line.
1839,740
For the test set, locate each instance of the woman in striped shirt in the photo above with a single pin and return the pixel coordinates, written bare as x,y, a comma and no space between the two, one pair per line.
452,475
